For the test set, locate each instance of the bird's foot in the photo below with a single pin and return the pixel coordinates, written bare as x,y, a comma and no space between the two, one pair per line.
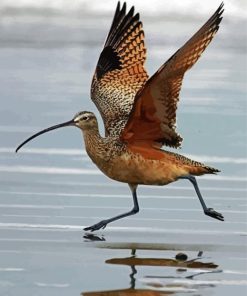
102,224
212,213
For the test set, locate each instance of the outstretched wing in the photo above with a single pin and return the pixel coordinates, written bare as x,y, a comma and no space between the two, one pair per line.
120,70
153,117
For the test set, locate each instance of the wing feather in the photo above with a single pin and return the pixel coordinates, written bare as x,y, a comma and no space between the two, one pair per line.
120,70
153,116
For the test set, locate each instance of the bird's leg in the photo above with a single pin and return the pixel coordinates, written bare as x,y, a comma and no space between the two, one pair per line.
207,211
103,223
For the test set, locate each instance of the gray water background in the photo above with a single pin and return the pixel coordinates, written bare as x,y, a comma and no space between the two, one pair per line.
51,189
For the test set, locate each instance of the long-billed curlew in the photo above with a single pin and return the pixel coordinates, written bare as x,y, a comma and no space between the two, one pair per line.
139,113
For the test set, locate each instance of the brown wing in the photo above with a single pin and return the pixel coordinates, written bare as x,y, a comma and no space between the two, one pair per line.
153,117
120,70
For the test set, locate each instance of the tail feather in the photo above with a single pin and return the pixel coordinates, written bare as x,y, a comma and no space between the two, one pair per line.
201,169
194,167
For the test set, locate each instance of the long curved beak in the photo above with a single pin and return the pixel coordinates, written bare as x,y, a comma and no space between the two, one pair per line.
67,123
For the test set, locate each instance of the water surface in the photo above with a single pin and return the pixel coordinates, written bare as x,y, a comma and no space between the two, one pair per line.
51,189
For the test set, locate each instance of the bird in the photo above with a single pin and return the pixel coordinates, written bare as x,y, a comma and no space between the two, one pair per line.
139,112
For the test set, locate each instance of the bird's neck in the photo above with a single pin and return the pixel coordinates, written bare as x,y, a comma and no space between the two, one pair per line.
92,136
94,144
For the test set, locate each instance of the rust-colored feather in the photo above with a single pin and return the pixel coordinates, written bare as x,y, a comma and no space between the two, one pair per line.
153,116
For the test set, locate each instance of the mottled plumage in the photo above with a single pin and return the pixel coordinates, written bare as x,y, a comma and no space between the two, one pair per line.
139,114
120,70
120,83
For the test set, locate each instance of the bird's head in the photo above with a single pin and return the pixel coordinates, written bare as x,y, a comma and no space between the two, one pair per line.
84,120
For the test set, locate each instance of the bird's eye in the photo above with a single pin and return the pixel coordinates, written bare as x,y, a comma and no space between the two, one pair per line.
85,118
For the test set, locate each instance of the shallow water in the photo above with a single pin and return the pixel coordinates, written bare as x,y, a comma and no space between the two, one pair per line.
51,190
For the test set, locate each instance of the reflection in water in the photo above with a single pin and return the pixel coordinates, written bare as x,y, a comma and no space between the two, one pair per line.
93,237
133,261
127,292
158,285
